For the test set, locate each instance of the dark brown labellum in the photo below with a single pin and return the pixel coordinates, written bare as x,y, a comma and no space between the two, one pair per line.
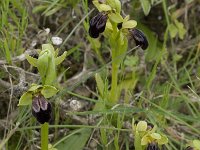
41,109
97,24
153,146
140,38
189,148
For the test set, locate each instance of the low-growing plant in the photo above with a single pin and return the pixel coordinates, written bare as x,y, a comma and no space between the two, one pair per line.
146,137
37,95
116,30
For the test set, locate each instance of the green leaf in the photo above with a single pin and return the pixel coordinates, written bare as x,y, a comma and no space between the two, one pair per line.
181,29
173,30
129,24
48,91
116,17
43,64
79,136
61,58
31,60
50,147
52,11
141,126
131,61
146,6
51,71
177,57
39,8
25,99
100,83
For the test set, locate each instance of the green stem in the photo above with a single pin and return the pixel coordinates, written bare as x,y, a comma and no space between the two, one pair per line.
115,68
44,136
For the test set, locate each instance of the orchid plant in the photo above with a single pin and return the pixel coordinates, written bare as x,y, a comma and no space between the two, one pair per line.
37,95
147,138
116,29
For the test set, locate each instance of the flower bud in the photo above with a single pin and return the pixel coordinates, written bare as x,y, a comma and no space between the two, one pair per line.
97,24
41,109
140,38
153,146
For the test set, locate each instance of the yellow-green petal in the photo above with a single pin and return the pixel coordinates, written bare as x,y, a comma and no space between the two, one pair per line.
104,7
116,17
129,24
141,126
156,136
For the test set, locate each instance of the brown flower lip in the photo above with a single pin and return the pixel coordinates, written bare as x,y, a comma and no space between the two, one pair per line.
140,38
153,146
97,24
41,109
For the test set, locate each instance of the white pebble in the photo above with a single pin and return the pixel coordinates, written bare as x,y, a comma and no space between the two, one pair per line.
75,105
56,40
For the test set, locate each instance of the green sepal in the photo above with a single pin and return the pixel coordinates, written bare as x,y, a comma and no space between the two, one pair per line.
48,91
104,7
145,140
96,4
25,99
129,24
34,87
116,17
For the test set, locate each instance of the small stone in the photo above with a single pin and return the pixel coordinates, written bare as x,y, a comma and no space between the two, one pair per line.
75,105
47,30
56,40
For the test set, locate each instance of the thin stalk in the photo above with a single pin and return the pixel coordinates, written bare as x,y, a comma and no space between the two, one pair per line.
44,136
115,68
